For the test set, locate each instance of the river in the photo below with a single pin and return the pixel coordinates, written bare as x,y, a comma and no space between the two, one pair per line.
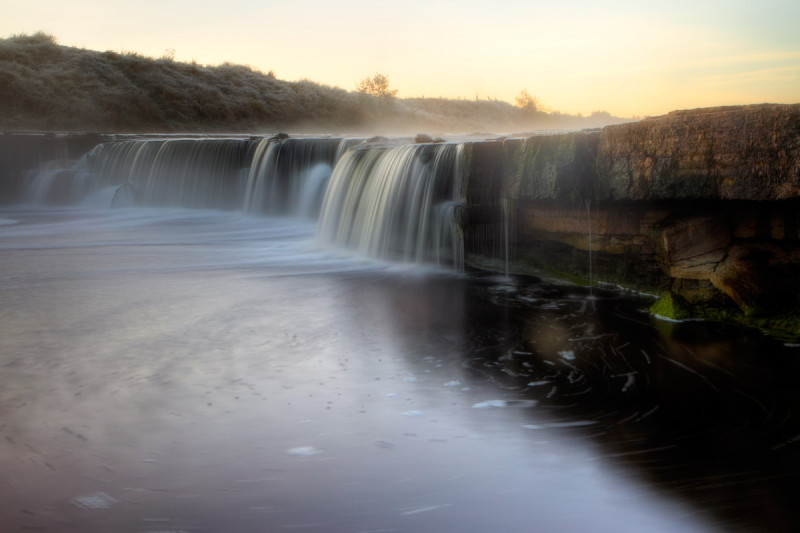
170,369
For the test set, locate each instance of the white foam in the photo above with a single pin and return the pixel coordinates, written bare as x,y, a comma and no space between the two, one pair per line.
569,355
538,383
304,451
555,425
490,403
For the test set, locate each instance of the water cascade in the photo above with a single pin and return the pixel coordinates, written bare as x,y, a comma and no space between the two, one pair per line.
399,203
179,172
268,176
289,176
396,203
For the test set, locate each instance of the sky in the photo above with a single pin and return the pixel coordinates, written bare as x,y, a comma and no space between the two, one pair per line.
624,57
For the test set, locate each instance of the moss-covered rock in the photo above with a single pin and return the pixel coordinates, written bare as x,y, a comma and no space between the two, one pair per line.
553,167
671,306
784,326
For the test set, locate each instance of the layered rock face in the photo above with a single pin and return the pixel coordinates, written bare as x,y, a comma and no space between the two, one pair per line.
703,203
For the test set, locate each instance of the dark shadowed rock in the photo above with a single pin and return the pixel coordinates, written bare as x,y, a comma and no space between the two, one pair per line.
704,203
759,277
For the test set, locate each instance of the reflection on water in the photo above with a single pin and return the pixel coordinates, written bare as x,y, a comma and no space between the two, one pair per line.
175,370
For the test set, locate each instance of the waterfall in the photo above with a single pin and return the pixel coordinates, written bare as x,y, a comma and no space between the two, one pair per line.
192,174
393,202
396,203
289,176
283,177
54,184
182,172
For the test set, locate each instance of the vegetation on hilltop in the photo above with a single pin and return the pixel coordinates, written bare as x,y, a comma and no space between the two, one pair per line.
46,86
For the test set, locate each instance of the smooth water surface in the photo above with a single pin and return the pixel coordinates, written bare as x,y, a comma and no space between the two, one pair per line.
189,370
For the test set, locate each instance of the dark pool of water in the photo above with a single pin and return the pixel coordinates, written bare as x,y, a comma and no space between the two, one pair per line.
175,370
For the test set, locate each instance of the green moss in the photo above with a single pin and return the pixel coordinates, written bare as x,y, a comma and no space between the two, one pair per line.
672,306
542,167
784,326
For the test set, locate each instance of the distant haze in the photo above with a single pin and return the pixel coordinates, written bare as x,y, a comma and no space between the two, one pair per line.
623,57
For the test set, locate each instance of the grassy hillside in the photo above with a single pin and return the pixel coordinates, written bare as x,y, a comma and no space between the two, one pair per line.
46,86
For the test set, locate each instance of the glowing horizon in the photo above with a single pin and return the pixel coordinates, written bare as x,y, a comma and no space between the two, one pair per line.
576,57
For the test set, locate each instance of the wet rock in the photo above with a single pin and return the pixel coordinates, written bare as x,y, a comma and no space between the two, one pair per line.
554,167
692,247
671,306
758,277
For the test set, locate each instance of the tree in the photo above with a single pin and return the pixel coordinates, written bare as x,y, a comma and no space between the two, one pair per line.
526,102
377,85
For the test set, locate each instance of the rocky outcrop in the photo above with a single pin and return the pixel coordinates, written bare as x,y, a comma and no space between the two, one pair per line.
725,153
704,204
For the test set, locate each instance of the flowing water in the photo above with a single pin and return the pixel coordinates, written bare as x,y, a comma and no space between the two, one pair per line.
180,368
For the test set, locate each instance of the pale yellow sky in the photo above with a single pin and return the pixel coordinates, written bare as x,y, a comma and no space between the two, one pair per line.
628,58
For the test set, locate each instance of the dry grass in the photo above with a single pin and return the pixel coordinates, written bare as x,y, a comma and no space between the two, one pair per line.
46,86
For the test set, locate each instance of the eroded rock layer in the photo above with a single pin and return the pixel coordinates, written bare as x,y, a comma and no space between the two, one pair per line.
703,203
